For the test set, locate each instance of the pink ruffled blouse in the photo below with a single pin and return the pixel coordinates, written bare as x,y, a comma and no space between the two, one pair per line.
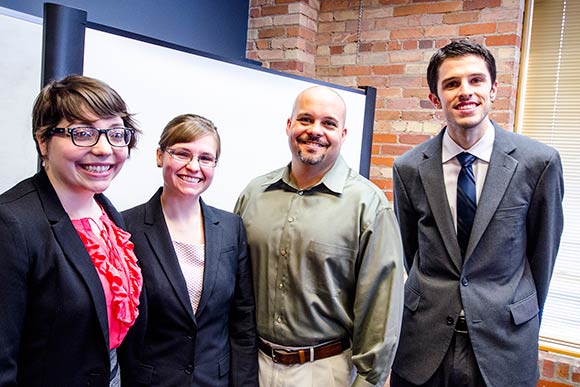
113,257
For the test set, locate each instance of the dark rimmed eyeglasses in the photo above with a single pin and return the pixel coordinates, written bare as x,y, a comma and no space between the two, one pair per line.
185,156
87,136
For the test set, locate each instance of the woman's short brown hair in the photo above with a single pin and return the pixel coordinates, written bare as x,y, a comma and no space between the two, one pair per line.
187,128
71,98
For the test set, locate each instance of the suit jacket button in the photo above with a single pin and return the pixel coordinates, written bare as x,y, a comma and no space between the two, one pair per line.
189,369
450,320
464,281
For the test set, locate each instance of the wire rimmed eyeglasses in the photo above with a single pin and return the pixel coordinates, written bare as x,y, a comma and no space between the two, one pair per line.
87,136
185,156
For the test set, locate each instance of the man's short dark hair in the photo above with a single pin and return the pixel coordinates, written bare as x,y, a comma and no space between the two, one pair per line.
457,49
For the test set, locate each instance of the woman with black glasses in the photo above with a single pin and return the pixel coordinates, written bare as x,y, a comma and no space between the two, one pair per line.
69,281
201,329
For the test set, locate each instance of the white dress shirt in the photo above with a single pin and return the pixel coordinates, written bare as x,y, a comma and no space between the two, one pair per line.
451,166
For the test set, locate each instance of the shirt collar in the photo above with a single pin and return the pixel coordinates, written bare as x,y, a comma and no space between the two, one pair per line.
334,180
481,149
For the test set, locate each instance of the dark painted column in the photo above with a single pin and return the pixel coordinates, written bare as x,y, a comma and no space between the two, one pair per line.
63,41
368,126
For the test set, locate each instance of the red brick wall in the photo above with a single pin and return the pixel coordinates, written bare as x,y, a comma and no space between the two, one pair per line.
386,44
282,35
558,370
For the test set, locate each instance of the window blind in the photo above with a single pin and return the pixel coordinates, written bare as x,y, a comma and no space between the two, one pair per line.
549,111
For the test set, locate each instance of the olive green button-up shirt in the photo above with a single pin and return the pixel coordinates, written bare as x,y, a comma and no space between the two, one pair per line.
327,263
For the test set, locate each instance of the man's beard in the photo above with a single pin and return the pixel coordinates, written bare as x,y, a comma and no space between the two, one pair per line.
310,160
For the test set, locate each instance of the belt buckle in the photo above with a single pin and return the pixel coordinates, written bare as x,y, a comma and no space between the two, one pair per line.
274,353
302,355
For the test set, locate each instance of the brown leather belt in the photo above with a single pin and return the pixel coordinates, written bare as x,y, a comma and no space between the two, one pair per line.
305,354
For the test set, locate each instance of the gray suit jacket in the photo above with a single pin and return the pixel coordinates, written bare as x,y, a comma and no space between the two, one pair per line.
503,283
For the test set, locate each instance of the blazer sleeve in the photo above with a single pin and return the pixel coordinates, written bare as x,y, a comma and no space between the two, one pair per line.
14,264
243,337
545,223
406,217
130,351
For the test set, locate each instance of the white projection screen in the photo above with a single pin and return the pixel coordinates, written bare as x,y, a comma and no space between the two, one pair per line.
20,63
249,106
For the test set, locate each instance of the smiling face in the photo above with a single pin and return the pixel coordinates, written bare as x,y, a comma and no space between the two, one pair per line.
187,179
75,170
465,93
316,129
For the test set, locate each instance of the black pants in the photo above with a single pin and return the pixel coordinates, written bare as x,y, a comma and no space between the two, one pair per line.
458,368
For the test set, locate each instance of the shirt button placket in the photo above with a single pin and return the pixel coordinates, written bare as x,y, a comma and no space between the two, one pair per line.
281,302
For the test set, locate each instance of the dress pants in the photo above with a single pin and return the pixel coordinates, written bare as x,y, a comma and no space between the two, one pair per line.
458,368
334,371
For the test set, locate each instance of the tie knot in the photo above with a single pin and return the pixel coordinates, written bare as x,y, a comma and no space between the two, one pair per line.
466,159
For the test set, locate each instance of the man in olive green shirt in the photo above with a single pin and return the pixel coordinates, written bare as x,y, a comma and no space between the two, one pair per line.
327,259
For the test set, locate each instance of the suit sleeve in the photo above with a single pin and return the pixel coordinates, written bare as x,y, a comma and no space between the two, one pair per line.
240,204
406,217
14,264
131,349
243,336
544,224
378,305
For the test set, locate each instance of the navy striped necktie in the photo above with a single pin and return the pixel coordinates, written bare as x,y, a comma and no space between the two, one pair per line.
466,200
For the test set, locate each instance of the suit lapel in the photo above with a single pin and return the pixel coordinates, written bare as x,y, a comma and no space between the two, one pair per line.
160,240
499,174
76,252
213,242
431,174
73,248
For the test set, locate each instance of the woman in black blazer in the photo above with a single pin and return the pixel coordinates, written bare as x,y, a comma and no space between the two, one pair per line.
69,280
200,327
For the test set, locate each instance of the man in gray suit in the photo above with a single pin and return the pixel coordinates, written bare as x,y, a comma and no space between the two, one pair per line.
480,237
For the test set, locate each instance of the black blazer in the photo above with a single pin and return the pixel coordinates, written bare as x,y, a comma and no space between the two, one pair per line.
53,317
216,346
